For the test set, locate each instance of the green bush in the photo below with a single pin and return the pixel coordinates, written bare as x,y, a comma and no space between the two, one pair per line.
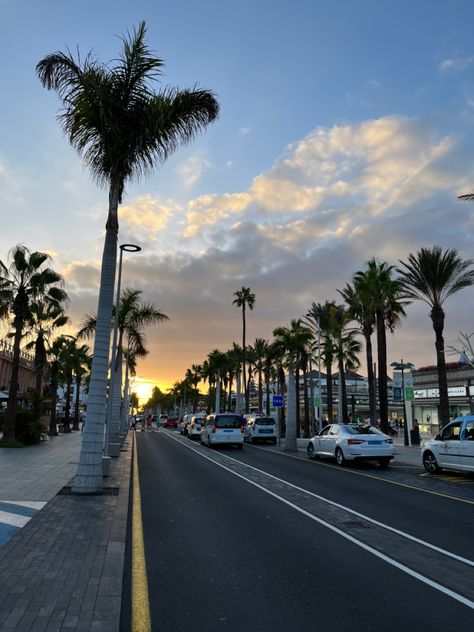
28,428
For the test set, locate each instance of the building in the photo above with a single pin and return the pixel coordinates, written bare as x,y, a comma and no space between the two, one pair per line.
26,375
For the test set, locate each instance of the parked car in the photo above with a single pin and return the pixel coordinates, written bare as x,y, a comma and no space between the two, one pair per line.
350,442
162,418
452,448
194,426
171,422
223,428
261,429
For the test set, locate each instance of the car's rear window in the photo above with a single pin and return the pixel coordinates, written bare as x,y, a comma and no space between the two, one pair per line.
265,421
359,429
229,421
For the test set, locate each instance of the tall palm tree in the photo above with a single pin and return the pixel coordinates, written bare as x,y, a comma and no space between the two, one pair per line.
260,349
361,309
384,293
121,128
25,279
56,354
243,299
81,362
322,314
44,320
432,275
291,340
133,315
346,350
217,363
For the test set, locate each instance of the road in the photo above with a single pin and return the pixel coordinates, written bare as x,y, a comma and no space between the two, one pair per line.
258,539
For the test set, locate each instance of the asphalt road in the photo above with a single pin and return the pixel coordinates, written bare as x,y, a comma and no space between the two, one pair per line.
253,539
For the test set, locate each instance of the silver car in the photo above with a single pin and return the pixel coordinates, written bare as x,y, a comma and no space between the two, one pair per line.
452,448
351,442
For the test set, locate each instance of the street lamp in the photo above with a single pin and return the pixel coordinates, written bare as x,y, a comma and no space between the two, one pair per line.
401,366
123,248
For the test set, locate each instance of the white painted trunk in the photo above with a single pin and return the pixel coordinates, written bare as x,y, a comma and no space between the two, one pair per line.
238,402
116,398
340,420
290,435
88,479
218,395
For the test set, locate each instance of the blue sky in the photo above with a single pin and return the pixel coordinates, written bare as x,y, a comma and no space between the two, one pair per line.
346,131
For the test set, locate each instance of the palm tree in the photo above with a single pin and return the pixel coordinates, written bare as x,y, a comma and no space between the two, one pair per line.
260,349
322,315
217,362
432,275
133,314
360,308
45,318
346,350
121,128
81,362
24,280
384,293
291,340
243,299
55,352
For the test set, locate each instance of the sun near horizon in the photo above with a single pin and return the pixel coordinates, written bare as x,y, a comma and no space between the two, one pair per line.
143,387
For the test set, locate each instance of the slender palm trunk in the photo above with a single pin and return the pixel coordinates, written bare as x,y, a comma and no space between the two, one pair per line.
88,478
281,379
437,317
53,431
329,396
267,391
116,396
238,398
297,399
290,435
218,394
67,412
305,404
382,368
370,374
260,388
75,425
229,395
244,358
9,425
343,392
40,360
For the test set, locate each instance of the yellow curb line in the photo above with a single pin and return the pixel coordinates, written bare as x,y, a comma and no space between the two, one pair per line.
141,620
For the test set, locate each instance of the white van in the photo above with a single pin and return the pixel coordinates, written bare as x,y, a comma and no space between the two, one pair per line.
224,428
261,429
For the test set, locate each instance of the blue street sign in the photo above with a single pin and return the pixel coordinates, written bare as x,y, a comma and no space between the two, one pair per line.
277,401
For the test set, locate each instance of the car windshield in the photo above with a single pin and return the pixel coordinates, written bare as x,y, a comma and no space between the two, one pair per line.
229,421
265,421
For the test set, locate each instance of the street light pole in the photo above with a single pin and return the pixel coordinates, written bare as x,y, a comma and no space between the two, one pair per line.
401,366
126,248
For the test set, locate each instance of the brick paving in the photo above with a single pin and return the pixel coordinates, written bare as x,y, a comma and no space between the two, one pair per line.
63,570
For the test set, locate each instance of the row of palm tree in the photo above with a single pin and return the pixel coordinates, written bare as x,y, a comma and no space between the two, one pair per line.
374,303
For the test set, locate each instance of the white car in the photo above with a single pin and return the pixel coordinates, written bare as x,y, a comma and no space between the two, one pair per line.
350,442
452,448
183,425
261,429
195,426
223,428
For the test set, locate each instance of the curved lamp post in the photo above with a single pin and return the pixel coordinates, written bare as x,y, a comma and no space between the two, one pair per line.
401,366
123,248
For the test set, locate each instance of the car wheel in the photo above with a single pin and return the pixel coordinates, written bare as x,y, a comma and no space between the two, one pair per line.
340,457
430,463
239,446
310,451
274,441
384,462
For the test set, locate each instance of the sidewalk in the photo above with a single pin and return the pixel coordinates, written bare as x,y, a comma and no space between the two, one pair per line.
63,570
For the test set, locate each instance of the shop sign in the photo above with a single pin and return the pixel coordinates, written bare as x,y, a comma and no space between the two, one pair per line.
453,391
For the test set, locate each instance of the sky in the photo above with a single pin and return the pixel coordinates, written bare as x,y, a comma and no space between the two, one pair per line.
346,132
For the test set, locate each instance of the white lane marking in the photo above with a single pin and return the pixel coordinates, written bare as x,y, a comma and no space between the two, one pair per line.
12,519
30,504
403,534
382,556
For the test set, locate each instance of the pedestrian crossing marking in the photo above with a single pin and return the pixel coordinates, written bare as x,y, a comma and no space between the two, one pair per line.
15,514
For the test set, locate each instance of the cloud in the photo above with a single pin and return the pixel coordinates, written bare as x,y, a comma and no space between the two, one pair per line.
191,170
145,216
244,131
209,210
455,64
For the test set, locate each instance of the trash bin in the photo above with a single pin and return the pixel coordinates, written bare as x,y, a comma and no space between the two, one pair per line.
415,437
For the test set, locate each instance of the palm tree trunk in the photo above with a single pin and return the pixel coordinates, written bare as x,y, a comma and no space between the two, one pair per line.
343,392
116,398
244,358
53,431
267,391
67,416
89,479
281,379
260,389
370,375
290,434
9,429
306,405
40,360
238,403
297,399
329,396
437,317
218,394
382,368
75,425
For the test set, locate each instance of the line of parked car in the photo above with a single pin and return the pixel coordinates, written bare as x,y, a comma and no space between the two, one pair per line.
452,448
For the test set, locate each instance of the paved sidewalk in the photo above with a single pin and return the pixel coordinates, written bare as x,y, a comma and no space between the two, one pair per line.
64,569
